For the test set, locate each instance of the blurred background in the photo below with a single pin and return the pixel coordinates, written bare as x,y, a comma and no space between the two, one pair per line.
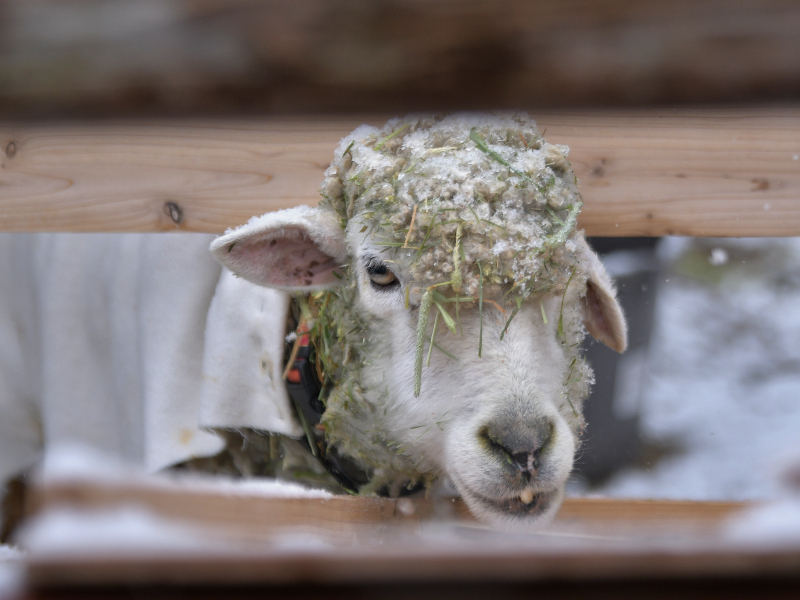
705,404
178,57
709,392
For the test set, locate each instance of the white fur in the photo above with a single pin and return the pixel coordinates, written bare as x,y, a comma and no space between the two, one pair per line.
518,379
519,374
290,235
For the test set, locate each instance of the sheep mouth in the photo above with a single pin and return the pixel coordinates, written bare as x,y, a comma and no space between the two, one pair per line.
527,504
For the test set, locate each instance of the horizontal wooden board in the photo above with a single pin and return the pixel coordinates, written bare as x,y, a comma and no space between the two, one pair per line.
361,539
731,172
404,564
343,518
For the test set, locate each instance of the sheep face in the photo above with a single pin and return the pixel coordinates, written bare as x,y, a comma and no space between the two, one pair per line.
449,326
499,425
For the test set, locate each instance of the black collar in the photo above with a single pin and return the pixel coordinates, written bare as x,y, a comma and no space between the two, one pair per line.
308,397
304,387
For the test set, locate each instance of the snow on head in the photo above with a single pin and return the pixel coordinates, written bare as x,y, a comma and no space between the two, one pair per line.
487,187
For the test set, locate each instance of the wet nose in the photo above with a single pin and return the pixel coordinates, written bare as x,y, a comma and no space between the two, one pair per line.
522,442
527,462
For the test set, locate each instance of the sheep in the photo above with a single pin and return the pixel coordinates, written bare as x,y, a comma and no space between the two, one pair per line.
441,288
467,218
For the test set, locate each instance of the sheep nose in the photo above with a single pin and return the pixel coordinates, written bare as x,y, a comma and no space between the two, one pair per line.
522,442
527,462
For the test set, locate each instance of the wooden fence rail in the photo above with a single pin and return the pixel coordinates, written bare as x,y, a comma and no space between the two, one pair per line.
731,172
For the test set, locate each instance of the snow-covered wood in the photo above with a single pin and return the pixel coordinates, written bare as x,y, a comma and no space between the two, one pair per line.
184,533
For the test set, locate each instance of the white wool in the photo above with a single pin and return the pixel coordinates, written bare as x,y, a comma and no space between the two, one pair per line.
494,179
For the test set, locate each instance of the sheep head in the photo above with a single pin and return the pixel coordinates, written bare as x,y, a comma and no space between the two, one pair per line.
449,293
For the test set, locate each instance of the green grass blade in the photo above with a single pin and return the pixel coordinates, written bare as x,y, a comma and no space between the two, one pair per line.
448,320
397,131
422,327
480,310
458,319
561,311
511,316
427,235
484,147
559,238
445,300
433,336
445,352
457,278
553,214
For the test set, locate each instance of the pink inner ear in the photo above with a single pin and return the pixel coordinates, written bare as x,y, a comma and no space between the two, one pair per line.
285,258
602,319
596,321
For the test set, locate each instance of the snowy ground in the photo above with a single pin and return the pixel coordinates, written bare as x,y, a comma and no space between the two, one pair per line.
721,379
11,572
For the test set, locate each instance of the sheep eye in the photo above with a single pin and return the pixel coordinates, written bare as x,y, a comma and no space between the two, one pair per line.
380,276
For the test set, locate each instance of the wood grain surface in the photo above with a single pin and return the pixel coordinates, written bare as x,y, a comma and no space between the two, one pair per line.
732,172
342,517
255,539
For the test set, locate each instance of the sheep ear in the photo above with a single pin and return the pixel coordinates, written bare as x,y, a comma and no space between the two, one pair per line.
602,314
297,249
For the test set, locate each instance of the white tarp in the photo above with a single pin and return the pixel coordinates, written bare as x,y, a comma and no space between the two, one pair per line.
135,345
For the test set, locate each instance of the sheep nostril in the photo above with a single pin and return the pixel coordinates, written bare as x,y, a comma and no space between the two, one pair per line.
521,460
519,445
527,462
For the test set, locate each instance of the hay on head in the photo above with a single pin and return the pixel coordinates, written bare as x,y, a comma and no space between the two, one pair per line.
466,204
493,179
